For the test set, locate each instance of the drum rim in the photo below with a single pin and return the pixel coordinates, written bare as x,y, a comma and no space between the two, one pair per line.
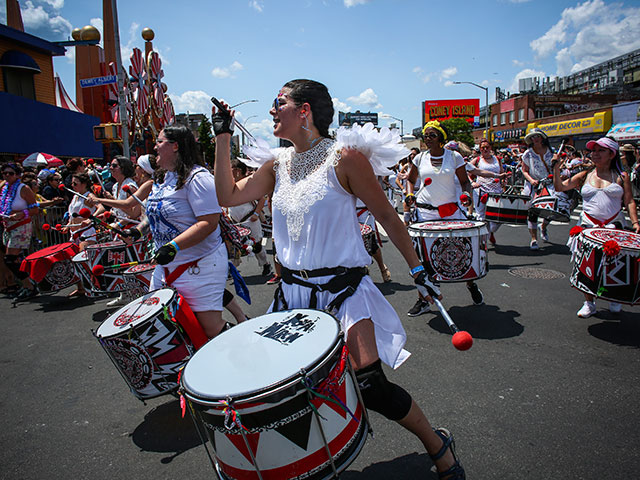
586,235
132,326
113,244
279,386
479,224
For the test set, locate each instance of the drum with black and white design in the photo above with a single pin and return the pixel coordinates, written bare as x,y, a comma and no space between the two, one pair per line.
598,270
114,253
137,279
507,208
552,205
275,394
452,250
150,340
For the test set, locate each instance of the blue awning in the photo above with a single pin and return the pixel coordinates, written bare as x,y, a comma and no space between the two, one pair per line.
17,59
622,132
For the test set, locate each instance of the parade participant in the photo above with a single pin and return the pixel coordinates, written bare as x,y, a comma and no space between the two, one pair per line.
437,199
17,206
82,234
604,189
51,190
183,214
401,181
315,184
536,166
122,170
487,161
374,247
248,215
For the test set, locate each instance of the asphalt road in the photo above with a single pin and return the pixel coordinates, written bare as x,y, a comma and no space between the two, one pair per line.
542,393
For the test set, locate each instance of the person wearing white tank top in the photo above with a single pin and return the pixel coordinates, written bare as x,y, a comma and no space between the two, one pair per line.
487,161
315,184
604,190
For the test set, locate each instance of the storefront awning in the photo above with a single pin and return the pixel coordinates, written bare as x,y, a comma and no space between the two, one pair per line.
623,132
598,123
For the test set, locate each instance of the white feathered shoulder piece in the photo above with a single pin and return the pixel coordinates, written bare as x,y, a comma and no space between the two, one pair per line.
382,148
259,153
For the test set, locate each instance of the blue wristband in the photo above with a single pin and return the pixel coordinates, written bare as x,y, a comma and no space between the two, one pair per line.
173,242
418,269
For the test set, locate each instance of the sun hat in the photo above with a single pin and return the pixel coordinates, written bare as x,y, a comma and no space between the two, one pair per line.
627,147
604,142
532,132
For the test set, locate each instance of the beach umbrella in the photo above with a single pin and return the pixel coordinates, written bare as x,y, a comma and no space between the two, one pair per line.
42,159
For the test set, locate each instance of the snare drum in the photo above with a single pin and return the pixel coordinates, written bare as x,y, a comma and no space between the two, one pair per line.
51,268
137,279
456,250
614,278
114,253
551,205
507,208
149,341
369,238
278,410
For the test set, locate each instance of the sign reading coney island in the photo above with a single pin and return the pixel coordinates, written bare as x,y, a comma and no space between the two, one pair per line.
445,109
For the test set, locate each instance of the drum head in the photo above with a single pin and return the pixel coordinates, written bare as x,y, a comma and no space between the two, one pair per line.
260,353
80,257
626,240
136,312
145,267
447,225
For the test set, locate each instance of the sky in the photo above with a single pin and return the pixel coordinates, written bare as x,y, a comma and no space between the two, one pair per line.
384,56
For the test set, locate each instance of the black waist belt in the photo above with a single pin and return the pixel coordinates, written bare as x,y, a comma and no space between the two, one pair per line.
426,206
345,281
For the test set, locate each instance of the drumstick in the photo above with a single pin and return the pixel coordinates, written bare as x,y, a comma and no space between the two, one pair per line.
85,213
98,270
63,188
108,215
462,340
127,189
235,122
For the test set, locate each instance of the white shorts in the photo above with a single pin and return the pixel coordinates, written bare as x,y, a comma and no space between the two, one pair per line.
203,286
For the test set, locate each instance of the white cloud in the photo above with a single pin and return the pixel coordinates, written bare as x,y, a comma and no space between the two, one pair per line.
422,75
367,98
449,72
353,3
227,72
590,33
448,83
45,22
193,101
517,63
526,73
57,4
257,5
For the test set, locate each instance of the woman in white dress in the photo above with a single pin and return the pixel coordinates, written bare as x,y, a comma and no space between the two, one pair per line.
315,184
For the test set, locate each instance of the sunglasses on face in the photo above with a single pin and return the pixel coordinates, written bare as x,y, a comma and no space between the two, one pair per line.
8,173
114,165
430,135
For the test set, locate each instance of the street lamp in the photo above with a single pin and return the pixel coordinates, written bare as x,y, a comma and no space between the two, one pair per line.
486,111
246,122
386,115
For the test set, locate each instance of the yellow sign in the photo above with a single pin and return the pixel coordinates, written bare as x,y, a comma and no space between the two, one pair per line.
600,122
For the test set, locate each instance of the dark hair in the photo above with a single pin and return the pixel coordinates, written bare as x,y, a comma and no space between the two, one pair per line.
51,176
317,96
13,166
188,151
417,150
83,178
126,166
74,163
484,140
237,163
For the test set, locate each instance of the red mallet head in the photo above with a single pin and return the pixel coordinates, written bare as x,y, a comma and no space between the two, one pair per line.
107,215
427,182
61,187
462,340
90,161
484,198
84,212
98,271
58,227
46,226
126,188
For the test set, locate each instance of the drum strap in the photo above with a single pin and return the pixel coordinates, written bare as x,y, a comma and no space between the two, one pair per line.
600,223
345,281
24,221
170,277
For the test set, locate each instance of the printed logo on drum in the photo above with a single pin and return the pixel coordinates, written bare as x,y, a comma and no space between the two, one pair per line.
150,301
116,257
290,329
125,319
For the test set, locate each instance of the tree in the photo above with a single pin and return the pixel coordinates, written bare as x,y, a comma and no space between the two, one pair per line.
459,130
205,139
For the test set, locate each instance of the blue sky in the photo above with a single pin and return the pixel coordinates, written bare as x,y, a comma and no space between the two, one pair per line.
385,56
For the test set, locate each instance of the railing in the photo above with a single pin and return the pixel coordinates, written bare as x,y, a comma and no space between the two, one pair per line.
44,238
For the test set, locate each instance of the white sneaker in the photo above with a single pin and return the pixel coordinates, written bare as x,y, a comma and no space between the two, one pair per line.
615,307
544,234
116,302
588,309
533,245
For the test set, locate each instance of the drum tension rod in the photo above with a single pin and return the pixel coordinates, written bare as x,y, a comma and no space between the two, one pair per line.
246,443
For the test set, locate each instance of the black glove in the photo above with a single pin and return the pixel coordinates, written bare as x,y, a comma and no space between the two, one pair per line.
426,286
166,254
134,233
222,122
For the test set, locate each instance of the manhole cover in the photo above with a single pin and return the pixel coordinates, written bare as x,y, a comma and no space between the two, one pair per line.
541,273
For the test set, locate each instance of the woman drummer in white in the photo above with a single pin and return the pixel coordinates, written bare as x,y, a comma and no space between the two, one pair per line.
489,162
437,170
604,189
315,184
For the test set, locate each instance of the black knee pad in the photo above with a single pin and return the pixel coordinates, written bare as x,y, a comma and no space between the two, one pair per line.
227,296
257,247
13,263
380,395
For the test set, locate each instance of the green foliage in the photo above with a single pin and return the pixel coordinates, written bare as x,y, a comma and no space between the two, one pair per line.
459,130
205,139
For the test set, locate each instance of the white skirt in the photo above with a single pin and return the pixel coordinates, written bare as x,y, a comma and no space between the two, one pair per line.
366,302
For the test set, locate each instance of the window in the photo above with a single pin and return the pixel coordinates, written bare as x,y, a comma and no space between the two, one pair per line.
503,118
512,116
19,82
521,115
495,120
